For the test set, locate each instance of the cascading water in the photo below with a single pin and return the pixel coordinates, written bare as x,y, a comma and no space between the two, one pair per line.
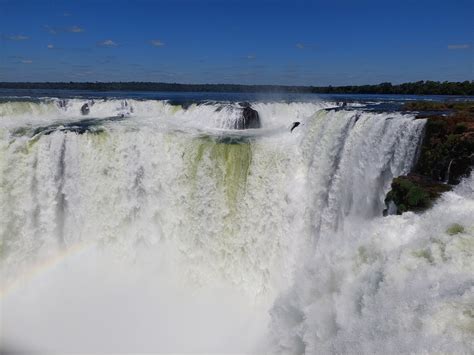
178,234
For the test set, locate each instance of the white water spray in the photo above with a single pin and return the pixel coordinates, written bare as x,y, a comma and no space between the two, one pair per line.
186,238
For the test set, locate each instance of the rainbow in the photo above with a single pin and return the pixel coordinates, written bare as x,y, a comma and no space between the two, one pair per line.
48,264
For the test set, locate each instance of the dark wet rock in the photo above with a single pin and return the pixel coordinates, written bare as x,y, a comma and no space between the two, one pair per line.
85,109
294,125
184,104
62,103
414,192
89,125
249,119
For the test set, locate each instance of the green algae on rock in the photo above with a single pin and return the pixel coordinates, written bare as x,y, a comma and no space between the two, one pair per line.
230,161
454,229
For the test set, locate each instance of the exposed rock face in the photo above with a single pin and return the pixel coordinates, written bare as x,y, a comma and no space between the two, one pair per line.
446,155
85,109
249,119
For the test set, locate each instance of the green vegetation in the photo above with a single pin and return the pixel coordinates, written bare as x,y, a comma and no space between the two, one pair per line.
446,154
414,193
424,254
448,145
415,88
454,229
439,106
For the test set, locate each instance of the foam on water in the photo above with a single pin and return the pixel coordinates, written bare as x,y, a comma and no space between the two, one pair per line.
399,284
189,231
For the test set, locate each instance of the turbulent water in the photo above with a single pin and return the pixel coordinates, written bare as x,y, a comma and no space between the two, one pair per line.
147,226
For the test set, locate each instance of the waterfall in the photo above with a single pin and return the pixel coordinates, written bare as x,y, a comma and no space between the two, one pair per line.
270,213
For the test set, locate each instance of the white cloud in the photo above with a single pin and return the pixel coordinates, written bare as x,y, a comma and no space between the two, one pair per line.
251,56
50,46
309,46
26,61
107,43
17,37
56,30
75,29
50,30
458,46
156,43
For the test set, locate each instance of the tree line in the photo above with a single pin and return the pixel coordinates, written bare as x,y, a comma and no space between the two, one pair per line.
413,88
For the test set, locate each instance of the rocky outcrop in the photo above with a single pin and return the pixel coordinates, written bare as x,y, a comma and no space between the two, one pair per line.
446,155
249,118
447,152
414,192
85,109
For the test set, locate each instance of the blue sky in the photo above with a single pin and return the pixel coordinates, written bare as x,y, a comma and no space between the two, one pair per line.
251,42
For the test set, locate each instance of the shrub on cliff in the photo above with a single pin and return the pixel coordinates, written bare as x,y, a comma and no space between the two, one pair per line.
414,193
